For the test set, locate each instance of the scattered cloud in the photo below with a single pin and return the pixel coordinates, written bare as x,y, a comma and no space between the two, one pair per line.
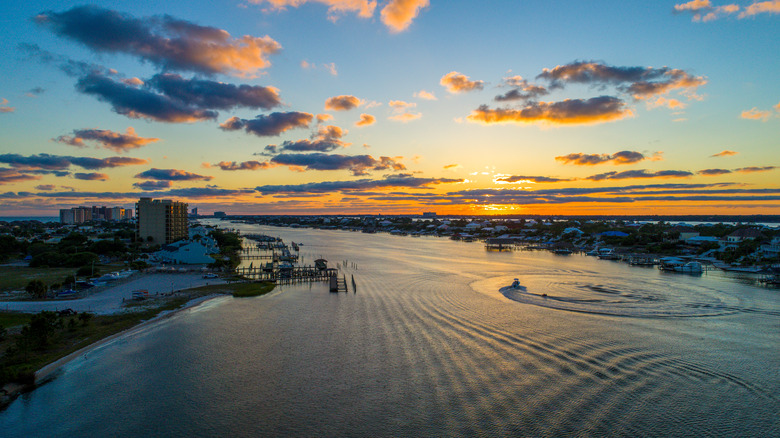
397,15
167,42
520,89
14,176
567,112
405,181
91,176
452,166
4,108
363,8
456,82
324,118
529,179
704,10
35,92
62,162
405,117
342,103
357,164
269,125
754,169
642,173
366,120
622,157
330,67
206,94
425,95
401,111
725,153
153,185
756,114
115,141
245,165
713,172
172,175
46,187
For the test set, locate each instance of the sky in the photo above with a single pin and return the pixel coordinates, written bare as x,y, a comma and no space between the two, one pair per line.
392,106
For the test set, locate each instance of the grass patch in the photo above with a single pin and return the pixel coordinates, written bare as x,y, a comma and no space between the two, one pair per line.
17,277
11,319
243,290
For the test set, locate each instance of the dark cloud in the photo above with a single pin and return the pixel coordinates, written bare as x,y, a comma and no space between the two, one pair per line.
713,172
520,90
342,103
570,111
622,157
46,187
536,179
164,41
356,185
640,82
115,141
171,175
152,185
754,169
245,165
91,176
137,103
207,94
270,125
357,164
61,162
13,176
642,173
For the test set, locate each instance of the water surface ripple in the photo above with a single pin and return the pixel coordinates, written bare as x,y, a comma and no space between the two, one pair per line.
430,345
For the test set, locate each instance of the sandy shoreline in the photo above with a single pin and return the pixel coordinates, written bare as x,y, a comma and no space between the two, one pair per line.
12,390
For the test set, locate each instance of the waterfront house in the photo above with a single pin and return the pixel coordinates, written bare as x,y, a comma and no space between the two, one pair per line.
743,234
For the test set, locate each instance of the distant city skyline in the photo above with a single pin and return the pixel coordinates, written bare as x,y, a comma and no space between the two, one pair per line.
392,107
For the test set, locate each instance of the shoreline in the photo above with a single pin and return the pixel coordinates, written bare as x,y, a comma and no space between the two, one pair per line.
45,373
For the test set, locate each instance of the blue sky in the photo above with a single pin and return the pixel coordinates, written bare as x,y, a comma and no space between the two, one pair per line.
662,107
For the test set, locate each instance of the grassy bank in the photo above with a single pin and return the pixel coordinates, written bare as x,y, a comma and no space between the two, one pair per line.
47,336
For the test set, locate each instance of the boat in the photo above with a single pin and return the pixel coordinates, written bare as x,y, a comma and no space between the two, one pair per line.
516,283
692,267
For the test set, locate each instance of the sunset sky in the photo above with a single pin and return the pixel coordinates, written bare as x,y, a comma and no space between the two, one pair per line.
392,106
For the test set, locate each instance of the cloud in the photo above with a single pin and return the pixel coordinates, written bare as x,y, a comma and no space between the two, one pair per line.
342,103
754,169
324,118
640,82
520,90
245,165
622,157
397,15
152,185
4,108
62,162
426,95
91,176
756,114
713,172
401,111
207,94
725,153
269,126
14,176
664,102
405,117
140,103
567,112
164,41
172,175
405,181
34,92
456,82
46,187
766,7
366,120
357,164
532,179
115,141
642,173
363,8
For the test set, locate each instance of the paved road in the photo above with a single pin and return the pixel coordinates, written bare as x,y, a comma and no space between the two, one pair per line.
110,300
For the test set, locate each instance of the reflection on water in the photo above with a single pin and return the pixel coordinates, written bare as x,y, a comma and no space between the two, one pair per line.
430,346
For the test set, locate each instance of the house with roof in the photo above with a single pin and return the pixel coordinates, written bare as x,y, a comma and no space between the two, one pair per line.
743,234
685,231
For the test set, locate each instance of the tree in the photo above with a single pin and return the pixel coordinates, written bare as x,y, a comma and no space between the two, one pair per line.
36,288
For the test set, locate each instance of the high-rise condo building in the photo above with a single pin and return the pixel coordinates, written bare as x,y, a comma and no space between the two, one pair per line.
161,221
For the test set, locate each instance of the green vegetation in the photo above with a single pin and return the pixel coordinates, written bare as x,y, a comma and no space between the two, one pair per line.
243,290
17,278
229,247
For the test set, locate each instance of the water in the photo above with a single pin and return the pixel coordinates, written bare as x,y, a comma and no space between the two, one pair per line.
30,218
429,346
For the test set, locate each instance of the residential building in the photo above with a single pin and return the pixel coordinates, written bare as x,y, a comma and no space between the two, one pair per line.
161,221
